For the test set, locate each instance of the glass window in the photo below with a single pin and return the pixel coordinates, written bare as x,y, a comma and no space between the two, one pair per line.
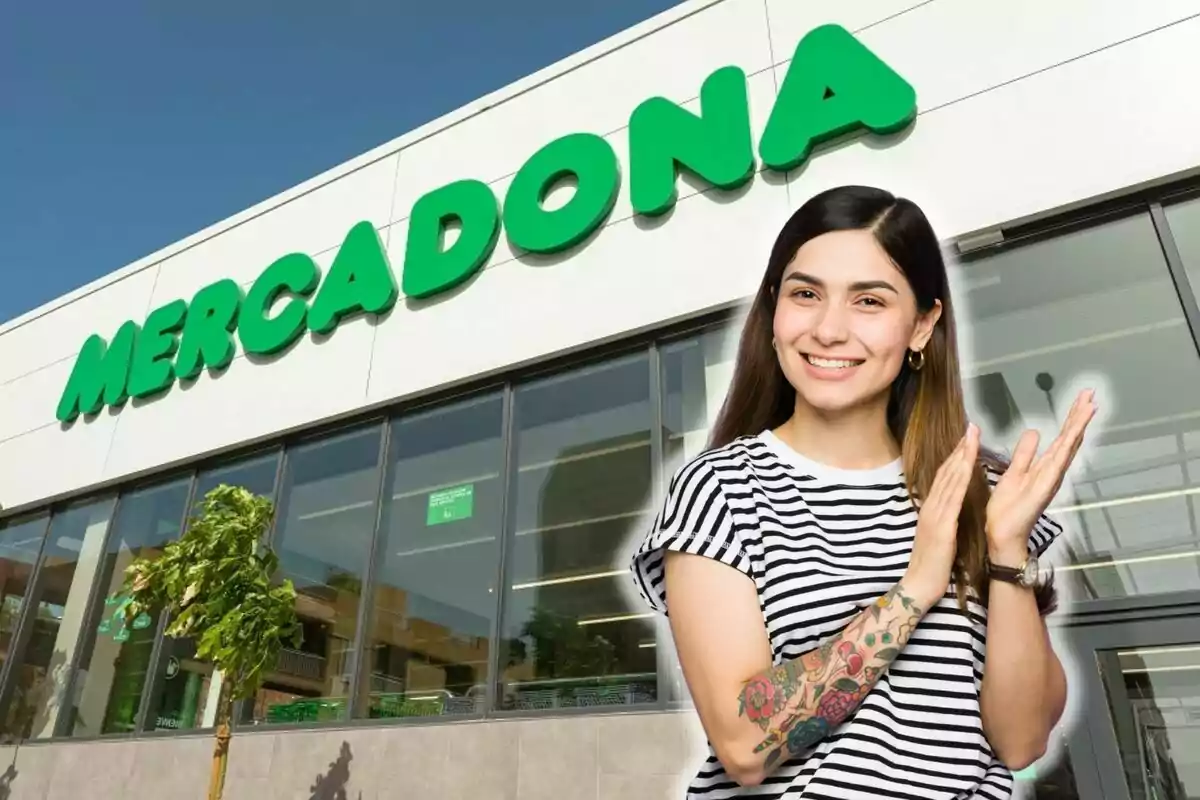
1184,220
581,487
181,690
59,603
696,373
1098,302
325,522
20,541
435,585
116,656
1153,696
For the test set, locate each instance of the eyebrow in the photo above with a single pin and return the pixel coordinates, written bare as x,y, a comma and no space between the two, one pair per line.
860,286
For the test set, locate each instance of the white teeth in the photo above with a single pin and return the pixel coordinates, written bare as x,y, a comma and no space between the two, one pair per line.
831,363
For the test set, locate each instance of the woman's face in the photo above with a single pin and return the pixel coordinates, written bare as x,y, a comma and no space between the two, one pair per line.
845,320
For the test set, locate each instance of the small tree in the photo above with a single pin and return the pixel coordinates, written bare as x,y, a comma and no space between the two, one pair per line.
217,584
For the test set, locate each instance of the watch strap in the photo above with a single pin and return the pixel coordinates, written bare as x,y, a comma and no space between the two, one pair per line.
1007,574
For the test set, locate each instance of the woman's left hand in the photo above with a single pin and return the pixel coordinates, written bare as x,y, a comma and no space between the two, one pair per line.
1031,482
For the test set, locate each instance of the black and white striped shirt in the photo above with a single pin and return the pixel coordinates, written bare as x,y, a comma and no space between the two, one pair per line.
821,544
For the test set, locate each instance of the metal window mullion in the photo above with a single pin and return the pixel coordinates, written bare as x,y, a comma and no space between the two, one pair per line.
242,711
1187,299
507,520
366,602
1178,271
16,647
152,680
282,494
239,706
657,469
63,722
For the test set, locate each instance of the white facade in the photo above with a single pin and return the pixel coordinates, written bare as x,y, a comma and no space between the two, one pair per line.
1027,108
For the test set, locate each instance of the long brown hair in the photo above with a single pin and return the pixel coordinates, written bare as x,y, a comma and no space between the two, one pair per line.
926,412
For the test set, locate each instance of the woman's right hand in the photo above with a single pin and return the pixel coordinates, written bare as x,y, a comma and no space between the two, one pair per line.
932,559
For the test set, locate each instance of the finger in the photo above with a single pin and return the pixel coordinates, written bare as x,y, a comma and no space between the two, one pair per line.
1052,474
1057,455
1063,451
937,489
960,478
1025,450
1061,464
1087,414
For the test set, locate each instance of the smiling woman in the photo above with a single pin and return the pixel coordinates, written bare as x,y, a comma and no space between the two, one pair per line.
877,553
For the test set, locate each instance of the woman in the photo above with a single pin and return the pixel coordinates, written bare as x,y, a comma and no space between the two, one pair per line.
880,633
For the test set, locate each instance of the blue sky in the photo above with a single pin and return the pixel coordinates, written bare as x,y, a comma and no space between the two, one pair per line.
125,126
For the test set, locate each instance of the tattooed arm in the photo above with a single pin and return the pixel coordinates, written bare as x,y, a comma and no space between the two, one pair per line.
780,711
757,715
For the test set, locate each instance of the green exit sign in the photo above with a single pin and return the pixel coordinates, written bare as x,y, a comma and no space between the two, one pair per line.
451,505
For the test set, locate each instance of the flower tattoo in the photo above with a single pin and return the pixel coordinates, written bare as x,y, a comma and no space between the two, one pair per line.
799,702
758,700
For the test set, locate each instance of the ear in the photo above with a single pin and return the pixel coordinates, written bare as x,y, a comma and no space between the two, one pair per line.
925,325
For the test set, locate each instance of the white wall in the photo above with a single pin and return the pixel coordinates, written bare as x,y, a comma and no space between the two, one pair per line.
1026,107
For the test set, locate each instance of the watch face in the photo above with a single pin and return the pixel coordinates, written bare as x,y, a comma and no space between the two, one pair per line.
1029,575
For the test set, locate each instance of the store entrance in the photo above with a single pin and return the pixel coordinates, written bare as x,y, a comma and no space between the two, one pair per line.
1139,680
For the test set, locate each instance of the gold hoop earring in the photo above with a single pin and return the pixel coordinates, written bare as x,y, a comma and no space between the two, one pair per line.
916,360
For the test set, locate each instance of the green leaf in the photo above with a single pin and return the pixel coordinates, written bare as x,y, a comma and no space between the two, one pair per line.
888,654
215,593
846,685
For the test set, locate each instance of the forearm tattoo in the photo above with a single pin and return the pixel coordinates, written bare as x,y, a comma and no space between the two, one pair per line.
800,701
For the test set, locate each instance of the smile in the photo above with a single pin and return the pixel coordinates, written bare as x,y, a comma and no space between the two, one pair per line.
831,363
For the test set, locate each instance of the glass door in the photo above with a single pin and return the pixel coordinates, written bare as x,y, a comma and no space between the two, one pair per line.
1143,706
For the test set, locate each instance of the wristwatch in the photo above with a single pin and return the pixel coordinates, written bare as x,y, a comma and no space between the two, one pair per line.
1024,576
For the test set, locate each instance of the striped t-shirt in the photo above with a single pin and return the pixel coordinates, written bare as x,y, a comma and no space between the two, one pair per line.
821,544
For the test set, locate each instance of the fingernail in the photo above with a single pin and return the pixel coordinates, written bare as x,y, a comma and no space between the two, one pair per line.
972,429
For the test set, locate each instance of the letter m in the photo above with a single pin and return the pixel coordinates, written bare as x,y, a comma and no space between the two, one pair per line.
99,376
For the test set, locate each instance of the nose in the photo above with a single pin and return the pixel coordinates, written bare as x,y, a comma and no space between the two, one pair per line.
832,325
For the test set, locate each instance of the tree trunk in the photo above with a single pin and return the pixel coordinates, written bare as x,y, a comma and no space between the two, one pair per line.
216,782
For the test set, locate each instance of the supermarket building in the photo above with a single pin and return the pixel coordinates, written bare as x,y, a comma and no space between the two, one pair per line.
462,378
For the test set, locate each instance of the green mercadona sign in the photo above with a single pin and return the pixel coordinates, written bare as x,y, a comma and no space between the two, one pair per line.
834,86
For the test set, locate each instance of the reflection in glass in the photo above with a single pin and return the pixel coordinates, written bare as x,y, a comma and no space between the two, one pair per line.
182,682
695,378
326,517
72,545
116,655
435,587
20,541
1184,221
1098,302
1154,699
581,486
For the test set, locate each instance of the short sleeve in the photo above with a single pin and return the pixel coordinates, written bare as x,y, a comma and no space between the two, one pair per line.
696,518
1045,530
